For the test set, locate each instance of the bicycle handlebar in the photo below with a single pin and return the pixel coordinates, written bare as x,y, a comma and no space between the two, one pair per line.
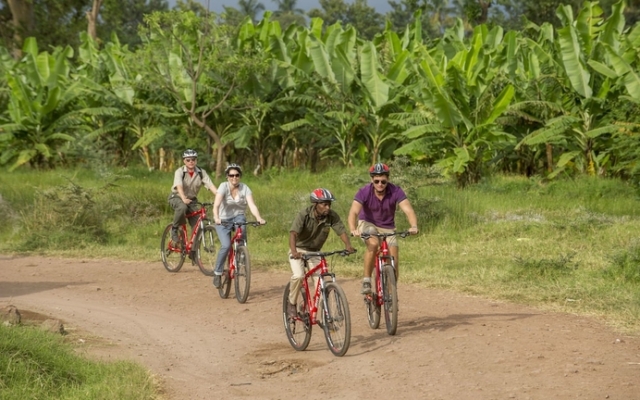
402,234
252,223
324,254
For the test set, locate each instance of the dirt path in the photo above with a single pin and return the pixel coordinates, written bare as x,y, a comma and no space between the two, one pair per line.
448,346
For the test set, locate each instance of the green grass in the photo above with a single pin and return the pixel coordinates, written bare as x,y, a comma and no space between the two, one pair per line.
567,245
38,365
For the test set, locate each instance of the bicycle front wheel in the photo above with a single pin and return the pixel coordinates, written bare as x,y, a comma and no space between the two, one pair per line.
298,329
337,320
372,306
390,296
242,280
225,287
170,252
206,250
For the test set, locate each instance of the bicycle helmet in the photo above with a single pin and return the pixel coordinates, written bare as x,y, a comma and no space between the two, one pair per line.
321,195
233,166
379,169
189,153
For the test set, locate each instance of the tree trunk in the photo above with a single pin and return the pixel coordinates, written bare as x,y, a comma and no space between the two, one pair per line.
549,158
484,13
92,17
22,12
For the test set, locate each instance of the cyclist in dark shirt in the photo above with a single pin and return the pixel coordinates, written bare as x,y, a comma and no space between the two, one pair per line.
309,230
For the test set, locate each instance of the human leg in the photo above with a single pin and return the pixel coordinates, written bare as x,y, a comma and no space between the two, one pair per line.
223,232
369,254
179,211
297,269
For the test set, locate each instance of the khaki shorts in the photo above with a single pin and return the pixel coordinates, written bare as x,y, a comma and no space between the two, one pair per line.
368,227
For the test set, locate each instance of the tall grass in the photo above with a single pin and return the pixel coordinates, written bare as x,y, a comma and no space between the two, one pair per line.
566,245
39,365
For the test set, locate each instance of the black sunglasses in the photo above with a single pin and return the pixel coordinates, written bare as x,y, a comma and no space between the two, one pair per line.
378,181
233,175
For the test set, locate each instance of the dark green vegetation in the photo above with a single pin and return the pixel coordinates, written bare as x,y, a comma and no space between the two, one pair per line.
565,245
39,365
545,100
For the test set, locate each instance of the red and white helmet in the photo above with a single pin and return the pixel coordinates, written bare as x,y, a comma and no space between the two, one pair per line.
321,195
379,169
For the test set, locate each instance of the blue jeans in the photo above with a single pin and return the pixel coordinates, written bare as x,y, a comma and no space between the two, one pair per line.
224,234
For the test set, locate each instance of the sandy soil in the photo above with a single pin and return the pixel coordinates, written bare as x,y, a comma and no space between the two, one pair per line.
448,346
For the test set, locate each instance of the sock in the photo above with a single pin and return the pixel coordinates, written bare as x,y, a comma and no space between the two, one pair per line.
367,280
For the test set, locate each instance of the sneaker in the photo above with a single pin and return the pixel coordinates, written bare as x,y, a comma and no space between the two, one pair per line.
217,281
175,238
291,310
366,288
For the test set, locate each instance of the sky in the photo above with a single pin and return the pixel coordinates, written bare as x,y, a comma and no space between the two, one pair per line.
381,6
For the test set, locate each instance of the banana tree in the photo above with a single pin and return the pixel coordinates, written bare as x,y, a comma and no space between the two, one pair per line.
123,113
459,101
42,110
595,76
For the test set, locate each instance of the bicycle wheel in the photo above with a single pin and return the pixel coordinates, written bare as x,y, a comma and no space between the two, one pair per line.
171,253
390,293
242,280
206,250
372,306
225,286
298,329
337,320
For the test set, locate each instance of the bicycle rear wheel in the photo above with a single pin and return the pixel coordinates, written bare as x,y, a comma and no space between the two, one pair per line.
337,320
390,293
242,280
206,250
298,329
372,306
171,253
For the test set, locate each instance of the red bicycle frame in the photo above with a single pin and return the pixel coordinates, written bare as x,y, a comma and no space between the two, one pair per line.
323,271
202,216
236,241
381,256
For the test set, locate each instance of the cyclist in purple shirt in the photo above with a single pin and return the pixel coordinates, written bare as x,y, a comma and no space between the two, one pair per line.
373,211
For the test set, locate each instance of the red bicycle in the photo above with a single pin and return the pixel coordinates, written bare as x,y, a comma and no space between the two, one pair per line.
238,268
385,291
335,319
200,247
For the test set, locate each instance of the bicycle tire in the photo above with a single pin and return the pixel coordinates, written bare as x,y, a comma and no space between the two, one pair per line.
390,293
372,306
206,250
225,286
298,330
242,280
336,320
172,254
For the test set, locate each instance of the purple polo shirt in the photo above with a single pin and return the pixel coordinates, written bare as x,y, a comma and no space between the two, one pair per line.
381,213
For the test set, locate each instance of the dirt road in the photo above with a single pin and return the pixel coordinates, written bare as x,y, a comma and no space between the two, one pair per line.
448,346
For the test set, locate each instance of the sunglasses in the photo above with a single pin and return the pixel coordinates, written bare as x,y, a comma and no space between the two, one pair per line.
380,181
191,159
233,175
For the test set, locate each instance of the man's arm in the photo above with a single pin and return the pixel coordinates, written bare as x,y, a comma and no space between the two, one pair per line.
293,236
352,219
347,243
406,207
